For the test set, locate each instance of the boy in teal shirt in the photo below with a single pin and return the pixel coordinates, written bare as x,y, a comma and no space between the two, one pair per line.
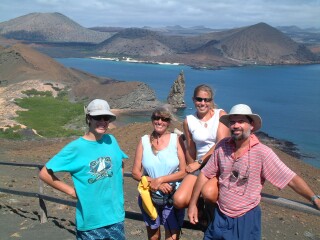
95,164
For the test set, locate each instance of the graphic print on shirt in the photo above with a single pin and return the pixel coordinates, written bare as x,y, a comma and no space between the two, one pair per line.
100,168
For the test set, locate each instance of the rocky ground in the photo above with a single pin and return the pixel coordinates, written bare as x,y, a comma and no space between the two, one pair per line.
19,215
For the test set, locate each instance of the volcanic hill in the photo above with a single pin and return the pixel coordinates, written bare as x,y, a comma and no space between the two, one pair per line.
20,64
49,27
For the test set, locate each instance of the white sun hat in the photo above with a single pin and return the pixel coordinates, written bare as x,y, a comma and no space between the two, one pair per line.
242,109
99,107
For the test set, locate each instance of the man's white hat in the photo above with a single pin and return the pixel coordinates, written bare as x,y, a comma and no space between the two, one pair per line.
99,107
242,109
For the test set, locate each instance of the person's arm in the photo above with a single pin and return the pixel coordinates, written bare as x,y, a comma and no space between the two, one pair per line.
192,209
222,131
191,150
48,177
191,147
302,188
137,164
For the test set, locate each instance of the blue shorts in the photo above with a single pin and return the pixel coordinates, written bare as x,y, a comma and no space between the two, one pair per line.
111,232
168,216
196,172
246,227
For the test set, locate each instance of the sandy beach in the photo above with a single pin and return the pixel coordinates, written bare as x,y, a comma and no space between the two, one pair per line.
19,215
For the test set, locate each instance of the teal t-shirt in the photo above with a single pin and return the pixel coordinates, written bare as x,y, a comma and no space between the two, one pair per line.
96,170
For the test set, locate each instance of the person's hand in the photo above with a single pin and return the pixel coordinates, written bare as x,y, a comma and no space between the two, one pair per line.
155,184
73,193
166,188
192,167
193,213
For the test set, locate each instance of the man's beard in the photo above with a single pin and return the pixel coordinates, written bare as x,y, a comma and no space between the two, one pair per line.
242,136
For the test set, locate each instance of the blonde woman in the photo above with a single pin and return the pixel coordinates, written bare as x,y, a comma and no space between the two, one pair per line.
202,131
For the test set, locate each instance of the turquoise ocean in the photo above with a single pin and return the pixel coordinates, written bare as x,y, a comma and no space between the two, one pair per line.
286,97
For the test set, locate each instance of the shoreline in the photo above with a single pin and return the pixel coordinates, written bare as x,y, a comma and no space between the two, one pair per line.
196,66
132,60
284,145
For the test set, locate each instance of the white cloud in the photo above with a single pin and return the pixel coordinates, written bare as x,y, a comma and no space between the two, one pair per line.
128,13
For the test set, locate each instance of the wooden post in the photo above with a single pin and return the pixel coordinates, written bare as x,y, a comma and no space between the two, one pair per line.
42,204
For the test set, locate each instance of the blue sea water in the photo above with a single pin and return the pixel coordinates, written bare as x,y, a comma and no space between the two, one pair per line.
286,97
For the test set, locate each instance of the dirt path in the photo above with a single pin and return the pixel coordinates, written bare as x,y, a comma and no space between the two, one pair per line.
19,215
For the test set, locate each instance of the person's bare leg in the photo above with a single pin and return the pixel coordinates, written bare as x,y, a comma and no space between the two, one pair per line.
173,235
182,196
210,190
154,234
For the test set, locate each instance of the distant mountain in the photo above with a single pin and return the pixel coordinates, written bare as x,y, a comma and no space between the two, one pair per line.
295,29
262,43
178,30
308,36
49,27
107,29
257,44
22,64
135,42
197,46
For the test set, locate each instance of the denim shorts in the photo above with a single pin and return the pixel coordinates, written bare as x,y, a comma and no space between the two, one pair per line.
110,232
196,172
168,216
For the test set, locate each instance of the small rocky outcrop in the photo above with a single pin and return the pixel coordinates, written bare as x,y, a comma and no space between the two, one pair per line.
176,95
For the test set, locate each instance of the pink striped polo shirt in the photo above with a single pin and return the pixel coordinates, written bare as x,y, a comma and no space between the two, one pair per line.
241,180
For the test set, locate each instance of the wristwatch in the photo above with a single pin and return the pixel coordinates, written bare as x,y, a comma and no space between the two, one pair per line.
200,161
313,198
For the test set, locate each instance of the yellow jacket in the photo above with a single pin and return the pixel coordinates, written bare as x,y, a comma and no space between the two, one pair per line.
147,204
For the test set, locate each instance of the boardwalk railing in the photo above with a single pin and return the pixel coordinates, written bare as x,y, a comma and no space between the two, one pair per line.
282,202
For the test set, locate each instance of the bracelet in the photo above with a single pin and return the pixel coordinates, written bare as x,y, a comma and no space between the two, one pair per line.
314,197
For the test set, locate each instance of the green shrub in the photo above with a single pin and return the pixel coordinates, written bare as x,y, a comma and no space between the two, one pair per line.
62,94
49,115
34,92
11,133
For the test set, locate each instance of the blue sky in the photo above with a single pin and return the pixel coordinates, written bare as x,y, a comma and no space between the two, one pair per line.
159,13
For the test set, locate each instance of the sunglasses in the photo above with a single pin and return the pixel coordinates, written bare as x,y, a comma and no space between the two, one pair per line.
105,118
199,99
163,119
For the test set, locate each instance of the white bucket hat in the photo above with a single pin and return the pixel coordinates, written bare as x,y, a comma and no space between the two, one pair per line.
99,107
242,109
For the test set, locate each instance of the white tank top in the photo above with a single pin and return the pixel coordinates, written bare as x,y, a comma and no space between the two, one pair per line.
204,134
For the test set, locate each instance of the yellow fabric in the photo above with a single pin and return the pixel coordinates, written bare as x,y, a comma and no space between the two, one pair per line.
147,204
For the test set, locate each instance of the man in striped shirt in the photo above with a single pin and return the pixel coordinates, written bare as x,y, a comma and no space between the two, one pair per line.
242,165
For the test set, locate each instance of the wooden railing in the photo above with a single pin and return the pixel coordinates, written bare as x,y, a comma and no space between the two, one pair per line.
282,202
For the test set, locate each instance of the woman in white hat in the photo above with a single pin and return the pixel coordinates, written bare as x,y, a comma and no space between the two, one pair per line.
95,164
